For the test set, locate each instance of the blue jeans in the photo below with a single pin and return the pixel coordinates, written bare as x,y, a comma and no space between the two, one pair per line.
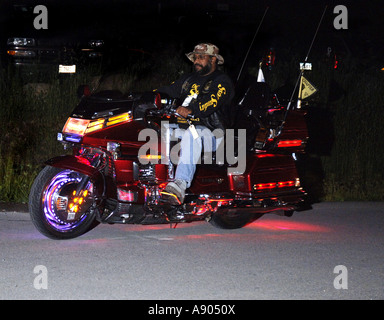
191,148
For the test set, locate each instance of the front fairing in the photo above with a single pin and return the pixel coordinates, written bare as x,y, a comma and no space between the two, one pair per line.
106,103
98,115
126,134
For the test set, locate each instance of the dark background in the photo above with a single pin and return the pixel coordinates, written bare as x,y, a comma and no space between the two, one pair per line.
231,24
345,149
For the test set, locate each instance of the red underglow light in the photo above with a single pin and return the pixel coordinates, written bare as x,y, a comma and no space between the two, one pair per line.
287,226
265,155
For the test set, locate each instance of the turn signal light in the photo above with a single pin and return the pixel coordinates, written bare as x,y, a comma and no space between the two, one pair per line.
119,119
95,125
150,157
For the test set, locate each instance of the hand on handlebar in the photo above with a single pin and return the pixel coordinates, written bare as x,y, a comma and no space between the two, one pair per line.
172,110
183,112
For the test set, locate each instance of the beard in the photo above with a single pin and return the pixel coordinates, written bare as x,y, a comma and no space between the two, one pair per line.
203,70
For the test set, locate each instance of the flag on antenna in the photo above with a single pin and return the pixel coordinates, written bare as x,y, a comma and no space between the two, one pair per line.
306,88
260,76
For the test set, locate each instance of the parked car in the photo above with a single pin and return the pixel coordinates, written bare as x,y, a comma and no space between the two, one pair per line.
65,46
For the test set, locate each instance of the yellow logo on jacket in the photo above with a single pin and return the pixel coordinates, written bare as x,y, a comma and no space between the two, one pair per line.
214,99
194,89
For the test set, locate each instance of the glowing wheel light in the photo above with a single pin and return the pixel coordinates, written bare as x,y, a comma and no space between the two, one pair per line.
62,209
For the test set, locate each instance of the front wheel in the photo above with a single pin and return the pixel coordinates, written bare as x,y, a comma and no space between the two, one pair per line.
58,210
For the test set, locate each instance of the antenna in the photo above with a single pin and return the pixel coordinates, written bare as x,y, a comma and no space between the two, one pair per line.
249,49
302,71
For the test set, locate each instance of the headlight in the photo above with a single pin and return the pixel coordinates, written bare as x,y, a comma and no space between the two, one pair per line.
76,126
21,42
21,53
82,126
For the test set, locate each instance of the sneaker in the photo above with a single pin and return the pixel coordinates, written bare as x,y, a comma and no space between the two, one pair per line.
174,192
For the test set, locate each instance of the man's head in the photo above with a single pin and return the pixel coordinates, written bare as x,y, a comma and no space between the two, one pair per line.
205,58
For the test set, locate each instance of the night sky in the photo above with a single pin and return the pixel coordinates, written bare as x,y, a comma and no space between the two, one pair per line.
231,24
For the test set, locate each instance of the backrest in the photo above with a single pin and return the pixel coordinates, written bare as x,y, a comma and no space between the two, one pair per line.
256,97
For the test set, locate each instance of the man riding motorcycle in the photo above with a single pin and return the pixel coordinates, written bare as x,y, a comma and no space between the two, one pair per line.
207,95
105,179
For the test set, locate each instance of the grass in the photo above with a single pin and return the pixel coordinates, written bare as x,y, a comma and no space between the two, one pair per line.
30,121
351,166
354,169
29,125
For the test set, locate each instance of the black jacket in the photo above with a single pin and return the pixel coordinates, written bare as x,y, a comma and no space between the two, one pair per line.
212,102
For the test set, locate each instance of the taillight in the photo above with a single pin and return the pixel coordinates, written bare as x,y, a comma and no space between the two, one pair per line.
289,143
22,53
279,184
261,186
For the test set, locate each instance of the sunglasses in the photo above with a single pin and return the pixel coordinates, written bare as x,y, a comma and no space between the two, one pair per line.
200,57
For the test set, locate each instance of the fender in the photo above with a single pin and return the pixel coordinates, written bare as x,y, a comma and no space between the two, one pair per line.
80,165
74,163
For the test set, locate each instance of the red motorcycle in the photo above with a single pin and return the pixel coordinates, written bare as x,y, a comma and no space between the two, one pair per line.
106,179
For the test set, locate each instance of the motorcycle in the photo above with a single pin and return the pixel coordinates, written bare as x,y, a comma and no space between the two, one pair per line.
106,178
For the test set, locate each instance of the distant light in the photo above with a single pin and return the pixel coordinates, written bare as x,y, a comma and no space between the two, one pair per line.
67,69
382,69
305,66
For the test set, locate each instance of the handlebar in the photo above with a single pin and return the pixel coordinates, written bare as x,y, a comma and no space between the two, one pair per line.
168,110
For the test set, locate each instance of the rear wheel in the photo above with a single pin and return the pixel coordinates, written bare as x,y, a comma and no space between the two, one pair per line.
231,218
56,209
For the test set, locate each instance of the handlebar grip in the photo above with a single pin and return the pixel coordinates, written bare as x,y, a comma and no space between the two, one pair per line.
188,117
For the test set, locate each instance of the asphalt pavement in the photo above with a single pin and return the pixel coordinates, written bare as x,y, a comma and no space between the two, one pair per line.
333,251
